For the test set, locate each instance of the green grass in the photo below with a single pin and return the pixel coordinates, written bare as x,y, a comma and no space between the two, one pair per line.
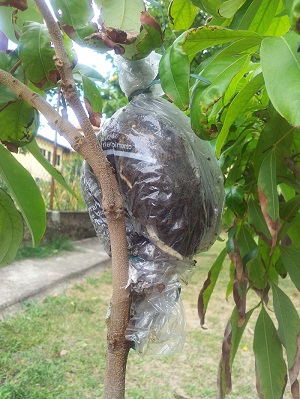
46,248
56,349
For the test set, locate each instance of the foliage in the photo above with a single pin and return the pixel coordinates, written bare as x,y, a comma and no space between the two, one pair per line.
63,199
46,248
243,95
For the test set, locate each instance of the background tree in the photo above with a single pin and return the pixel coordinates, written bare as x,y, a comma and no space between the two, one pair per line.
242,96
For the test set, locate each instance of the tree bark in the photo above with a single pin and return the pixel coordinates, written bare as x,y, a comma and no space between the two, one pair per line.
89,147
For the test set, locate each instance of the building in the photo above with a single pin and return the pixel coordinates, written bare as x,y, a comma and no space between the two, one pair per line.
47,149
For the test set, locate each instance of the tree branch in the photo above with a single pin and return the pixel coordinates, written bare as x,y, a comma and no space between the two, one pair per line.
88,146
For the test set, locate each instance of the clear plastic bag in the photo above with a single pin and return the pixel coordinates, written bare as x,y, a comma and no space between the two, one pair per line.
173,194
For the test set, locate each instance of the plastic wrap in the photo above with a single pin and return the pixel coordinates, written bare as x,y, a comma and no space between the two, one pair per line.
173,194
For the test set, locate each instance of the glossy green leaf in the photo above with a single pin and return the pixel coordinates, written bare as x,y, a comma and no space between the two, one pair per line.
182,14
122,14
291,260
237,105
268,185
174,72
256,270
25,192
195,40
92,100
36,54
232,338
174,67
229,8
283,75
209,285
280,24
288,330
19,123
35,150
264,16
11,229
271,373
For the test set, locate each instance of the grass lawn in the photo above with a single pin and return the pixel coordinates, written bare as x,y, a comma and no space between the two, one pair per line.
56,349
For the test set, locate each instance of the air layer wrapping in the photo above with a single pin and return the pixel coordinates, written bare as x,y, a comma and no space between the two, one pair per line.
173,194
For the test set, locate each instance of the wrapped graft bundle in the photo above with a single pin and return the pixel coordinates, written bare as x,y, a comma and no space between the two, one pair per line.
173,194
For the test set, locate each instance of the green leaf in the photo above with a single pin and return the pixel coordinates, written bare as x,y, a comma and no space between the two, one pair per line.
174,67
281,69
237,105
11,229
195,40
209,285
174,72
75,18
122,14
232,337
25,192
87,71
291,260
31,14
210,6
34,149
92,100
280,24
264,16
73,13
277,133
149,39
36,54
19,123
229,8
259,15
268,187
256,270
182,14
257,221
205,97
290,209
288,330
234,199
271,374
7,61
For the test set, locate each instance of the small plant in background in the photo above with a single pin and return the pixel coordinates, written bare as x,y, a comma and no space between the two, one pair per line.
46,248
63,200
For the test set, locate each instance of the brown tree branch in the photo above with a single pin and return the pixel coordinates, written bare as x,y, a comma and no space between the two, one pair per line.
88,146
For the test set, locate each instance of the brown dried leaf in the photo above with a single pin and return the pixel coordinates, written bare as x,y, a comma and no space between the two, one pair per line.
10,146
294,372
53,76
224,365
272,226
19,4
240,283
94,117
201,312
